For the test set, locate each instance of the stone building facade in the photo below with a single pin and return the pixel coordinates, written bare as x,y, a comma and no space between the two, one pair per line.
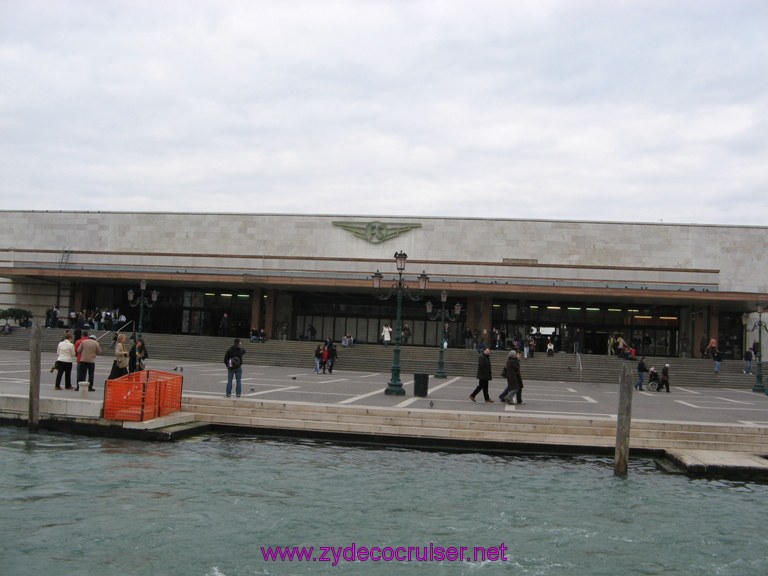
662,286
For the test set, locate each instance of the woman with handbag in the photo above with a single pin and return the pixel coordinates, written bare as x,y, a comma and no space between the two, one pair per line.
137,356
120,365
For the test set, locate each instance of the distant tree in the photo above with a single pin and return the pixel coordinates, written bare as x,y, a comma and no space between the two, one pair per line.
17,314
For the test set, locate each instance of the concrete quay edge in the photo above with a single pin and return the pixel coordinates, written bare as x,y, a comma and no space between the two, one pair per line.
700,454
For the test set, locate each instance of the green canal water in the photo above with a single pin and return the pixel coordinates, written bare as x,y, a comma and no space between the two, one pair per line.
209,505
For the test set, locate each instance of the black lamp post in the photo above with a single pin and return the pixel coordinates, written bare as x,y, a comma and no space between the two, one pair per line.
444,316
142,301
398,288
759,326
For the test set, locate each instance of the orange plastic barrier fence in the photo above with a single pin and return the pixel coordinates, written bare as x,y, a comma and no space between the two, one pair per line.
142,395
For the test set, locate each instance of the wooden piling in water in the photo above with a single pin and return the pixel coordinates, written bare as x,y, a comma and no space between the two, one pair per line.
624,422
35,351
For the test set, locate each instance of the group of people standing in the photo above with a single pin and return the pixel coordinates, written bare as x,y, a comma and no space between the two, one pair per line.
513,393
98,319
81,349
325,357
653,376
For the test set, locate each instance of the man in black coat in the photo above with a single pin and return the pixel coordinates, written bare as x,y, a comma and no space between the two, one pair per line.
484,375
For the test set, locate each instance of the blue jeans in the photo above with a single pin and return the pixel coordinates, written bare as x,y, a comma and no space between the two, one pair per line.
237,373
717,366
748,366
317,365
640,376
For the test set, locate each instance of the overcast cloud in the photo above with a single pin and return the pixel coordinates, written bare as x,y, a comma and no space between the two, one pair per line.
579,109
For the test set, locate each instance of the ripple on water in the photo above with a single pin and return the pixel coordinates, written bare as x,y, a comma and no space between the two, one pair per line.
205,506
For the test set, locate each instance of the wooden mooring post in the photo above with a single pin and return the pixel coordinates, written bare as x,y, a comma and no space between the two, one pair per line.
35,351
623,422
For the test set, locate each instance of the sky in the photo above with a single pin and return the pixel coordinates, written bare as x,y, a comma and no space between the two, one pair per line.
616,110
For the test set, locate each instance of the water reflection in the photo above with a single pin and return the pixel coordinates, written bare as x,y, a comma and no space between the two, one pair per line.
80,505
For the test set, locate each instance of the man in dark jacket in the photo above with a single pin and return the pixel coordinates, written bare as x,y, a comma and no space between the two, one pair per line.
233,359
484,375
664,378
641,370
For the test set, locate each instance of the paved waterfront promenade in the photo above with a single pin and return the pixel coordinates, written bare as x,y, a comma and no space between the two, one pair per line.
683,404
274,396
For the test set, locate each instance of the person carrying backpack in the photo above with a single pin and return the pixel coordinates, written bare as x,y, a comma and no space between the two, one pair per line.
233,360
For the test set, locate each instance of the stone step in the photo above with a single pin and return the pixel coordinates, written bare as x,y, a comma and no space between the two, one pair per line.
515,437
473,426
174,419
516,428
457,417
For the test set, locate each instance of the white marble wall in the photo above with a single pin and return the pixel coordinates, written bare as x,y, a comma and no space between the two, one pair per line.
736,252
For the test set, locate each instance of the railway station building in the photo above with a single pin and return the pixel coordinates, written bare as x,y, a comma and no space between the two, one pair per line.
663,287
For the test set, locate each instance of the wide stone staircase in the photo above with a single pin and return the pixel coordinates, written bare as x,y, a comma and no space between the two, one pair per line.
564,367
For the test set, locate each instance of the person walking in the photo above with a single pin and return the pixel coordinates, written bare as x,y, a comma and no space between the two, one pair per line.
718,358
709,351
137,356
318,358
747,361
641,370
468,337
664,378
78,338
331,354
514,387
65,356
324,355
484,375
233,359
88,350
621,347
120,364
386,334
224,325
406,335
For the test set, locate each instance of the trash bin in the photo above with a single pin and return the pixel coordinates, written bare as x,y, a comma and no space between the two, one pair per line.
420,385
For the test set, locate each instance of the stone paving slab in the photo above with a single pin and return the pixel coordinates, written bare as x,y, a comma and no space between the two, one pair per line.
738,407
717,463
